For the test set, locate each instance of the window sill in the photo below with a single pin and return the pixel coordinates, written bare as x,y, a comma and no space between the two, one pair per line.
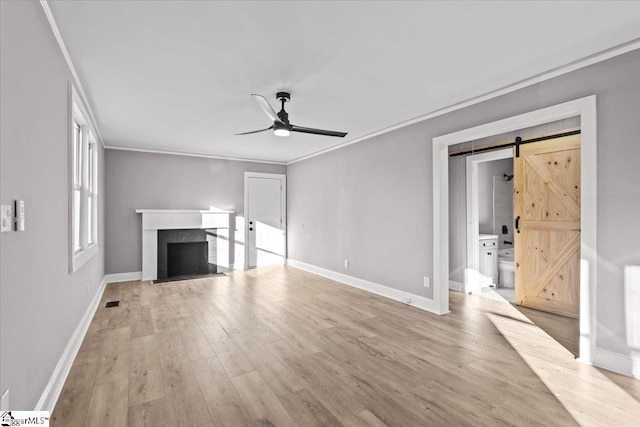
81,258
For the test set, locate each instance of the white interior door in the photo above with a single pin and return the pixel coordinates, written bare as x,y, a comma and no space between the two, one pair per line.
265,219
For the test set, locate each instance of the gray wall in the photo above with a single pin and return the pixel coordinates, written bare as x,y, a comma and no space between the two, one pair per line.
486,172
371,202
366,203
136,180
41,302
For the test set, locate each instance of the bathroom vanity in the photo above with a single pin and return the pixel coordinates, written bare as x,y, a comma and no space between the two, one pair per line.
488,265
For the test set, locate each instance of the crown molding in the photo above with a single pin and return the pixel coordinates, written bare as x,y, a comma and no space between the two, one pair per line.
181,153
547,75
65,53
558,71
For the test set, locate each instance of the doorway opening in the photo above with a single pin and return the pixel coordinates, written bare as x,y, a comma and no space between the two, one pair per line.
489,221
522,224
585,110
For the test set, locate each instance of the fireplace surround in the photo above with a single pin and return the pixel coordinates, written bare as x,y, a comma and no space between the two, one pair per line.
193,221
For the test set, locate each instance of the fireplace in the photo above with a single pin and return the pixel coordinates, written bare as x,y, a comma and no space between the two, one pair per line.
184,254
217,226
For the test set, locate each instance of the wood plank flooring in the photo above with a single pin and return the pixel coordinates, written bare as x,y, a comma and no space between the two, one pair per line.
565,330
282,347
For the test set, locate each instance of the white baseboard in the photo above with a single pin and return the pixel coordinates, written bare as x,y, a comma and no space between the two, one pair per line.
123,277
616,362
52,391
375,288
456,286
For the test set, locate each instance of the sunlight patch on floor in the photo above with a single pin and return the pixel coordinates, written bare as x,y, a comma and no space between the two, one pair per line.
579,387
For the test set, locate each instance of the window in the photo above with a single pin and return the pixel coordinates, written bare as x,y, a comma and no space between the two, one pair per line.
77,172
84,186
91,194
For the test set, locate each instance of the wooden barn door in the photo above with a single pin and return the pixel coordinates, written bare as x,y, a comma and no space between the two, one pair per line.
547,214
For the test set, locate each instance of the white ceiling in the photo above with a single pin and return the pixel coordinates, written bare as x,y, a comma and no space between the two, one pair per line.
177,75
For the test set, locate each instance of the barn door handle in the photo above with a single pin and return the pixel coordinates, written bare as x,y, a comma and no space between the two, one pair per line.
517,223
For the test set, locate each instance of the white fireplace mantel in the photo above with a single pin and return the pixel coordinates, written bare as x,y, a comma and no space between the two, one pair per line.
168,219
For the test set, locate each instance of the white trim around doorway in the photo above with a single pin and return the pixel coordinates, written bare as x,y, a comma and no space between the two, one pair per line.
471,276
283,201
585,108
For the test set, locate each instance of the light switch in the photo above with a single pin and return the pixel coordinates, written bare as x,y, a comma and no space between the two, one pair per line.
19,215
6,218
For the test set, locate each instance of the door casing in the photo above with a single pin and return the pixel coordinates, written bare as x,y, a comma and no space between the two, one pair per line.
283,201
585,108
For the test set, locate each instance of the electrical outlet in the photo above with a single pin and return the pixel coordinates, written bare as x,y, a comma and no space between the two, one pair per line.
346,263
4,401
427,283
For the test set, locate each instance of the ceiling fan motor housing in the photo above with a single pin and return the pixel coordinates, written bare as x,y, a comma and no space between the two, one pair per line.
283,96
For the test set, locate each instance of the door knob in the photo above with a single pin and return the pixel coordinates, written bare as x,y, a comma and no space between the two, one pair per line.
517,223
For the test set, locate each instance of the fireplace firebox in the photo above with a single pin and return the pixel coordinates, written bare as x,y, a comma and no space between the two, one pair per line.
184,254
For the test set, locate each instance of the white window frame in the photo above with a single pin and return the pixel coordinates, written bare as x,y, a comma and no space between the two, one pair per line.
86,181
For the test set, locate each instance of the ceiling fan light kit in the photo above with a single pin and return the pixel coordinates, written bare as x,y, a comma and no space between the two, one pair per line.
281,130
281,125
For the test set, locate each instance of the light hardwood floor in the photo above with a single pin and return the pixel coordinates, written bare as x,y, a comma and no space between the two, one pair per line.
279,346
565,330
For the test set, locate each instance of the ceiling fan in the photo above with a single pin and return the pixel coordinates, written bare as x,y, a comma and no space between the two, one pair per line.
281,125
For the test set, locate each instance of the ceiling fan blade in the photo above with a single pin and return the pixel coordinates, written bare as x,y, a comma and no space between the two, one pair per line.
264,104
313,131
255,131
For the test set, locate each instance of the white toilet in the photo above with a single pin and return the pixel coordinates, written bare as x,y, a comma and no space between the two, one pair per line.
506,269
